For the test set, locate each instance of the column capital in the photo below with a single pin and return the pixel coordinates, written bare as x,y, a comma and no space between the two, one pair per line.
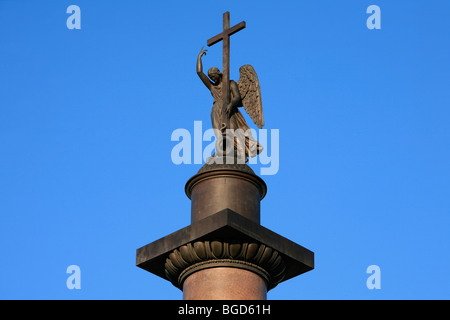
195,256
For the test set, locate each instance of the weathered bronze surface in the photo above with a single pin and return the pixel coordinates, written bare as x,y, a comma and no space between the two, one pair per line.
225,38
233,135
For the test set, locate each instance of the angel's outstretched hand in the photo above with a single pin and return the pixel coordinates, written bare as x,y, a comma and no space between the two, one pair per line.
202,52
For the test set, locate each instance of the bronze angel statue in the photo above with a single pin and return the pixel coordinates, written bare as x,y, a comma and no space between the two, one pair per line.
245,92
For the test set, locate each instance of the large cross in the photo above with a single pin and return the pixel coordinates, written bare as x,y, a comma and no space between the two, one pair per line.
224,36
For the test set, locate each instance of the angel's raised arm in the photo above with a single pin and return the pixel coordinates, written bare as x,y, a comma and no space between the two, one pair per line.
200,73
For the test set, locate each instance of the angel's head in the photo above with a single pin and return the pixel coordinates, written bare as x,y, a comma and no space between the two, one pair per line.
214,74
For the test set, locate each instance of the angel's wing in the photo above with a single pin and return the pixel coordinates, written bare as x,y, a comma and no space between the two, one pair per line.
251,94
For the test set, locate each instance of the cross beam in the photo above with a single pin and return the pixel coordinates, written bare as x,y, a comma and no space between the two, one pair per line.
224,36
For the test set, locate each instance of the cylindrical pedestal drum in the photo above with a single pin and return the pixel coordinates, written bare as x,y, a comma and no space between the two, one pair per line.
225,270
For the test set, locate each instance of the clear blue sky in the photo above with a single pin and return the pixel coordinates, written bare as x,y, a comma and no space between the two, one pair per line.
86,116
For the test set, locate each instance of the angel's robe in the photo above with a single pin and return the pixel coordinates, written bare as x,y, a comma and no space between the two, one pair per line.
245,140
